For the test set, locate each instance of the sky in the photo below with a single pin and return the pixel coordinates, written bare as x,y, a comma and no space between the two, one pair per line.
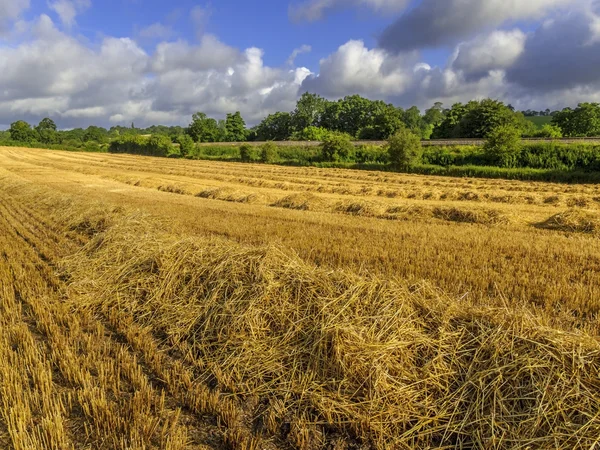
114,62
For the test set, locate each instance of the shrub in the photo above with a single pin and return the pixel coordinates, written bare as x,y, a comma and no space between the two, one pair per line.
186,144
503,145
268,152
159,145
337,147
246,153
549,131
92,146
404,148
371,154
311,134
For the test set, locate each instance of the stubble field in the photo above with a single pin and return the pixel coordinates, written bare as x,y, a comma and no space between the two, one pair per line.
155,303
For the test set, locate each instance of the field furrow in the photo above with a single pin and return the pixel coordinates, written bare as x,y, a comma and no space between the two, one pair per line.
149,303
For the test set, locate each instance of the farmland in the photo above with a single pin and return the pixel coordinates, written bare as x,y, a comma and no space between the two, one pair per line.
168,303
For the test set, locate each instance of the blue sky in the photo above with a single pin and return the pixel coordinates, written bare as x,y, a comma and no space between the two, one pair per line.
238,23
111,62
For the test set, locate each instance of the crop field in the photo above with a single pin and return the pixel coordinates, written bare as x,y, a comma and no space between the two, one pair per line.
153,303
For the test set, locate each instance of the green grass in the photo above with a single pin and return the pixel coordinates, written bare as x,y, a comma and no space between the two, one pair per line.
540,121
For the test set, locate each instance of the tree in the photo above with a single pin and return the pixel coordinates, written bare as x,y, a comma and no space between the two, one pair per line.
337,147
386,121
203,128
46,131
235,128
434,115
450,127
308,112
355,113
484,116
404,148
46,124
503,145
97,134
21,131
583,121
275,127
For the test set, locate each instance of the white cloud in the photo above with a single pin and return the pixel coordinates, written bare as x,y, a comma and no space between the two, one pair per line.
67,10
312,10
353,69
497,50
210,53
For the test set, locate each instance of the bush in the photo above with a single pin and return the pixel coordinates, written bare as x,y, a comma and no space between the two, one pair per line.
268,153
246,153
503,145
337,147
186,144
371,154
404,148
311,134
549,131
159,145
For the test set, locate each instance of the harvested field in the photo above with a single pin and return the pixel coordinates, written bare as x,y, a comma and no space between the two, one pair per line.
154,303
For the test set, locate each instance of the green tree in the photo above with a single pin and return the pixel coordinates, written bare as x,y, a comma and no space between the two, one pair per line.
583,121
484,116
434,115
46,131
337,147
450,127
503,145
308,112
235,128
21,131
275,127
386,121
204,128
97,134
404,148
355,113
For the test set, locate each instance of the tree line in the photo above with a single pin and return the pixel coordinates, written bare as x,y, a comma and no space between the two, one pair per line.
315,117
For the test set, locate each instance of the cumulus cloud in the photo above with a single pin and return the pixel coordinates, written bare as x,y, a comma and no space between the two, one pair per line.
54,74
354,68
67,10
311,10
210,53
10,10
436,23
494,51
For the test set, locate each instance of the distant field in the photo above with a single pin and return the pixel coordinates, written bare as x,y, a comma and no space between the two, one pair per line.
154,303
540,121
